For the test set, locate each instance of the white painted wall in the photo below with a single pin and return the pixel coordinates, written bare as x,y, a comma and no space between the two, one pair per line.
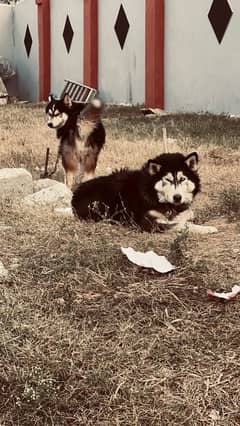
27,67
66,65
122,72
200,73
6,26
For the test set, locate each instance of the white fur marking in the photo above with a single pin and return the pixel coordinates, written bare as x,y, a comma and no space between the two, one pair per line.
59,121
86,127
166,189
96,103
182,221
197,229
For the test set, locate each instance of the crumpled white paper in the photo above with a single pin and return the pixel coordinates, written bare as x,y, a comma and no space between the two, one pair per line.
224,296
148,260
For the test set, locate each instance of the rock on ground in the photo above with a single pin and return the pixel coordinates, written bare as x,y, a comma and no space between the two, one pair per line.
3,271
58,195
40,184
63,211
15,183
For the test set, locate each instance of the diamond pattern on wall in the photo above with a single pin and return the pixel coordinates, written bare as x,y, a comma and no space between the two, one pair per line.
219,16
121,26
28,41
68,34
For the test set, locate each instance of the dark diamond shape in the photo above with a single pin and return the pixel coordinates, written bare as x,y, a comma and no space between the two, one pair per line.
219,15
122,26
28,41
68,34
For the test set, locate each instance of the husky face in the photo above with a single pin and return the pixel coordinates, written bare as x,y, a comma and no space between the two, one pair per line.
58,111
175,188
56,119
176,181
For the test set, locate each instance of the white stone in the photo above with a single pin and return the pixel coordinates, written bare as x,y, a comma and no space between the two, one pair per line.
64,211
58,195
40,184
15,263
3,271
15,183
4,227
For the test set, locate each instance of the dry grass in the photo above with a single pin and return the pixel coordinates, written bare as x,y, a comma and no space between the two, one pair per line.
88,338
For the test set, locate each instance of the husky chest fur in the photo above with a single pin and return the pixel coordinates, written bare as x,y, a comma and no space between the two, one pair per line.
156,194
80,133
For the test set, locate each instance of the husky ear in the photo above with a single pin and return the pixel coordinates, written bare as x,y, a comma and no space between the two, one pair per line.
67,100
153,168
50,97
192,161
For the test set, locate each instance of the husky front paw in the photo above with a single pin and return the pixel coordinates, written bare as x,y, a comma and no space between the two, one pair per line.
208,229
198,229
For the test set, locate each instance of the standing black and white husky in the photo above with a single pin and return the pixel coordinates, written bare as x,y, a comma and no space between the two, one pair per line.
159,195
80,132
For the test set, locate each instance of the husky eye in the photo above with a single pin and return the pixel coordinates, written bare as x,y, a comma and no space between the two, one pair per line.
169,180
182,179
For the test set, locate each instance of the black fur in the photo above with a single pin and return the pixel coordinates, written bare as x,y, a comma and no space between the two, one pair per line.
128,195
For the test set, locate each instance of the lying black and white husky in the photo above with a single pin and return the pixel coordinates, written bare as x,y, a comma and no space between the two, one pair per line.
159,195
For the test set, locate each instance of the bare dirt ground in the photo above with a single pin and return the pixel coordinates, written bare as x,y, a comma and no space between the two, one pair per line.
87,338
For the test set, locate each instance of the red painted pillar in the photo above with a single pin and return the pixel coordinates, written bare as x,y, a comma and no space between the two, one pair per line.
154,92
44,37
90,73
